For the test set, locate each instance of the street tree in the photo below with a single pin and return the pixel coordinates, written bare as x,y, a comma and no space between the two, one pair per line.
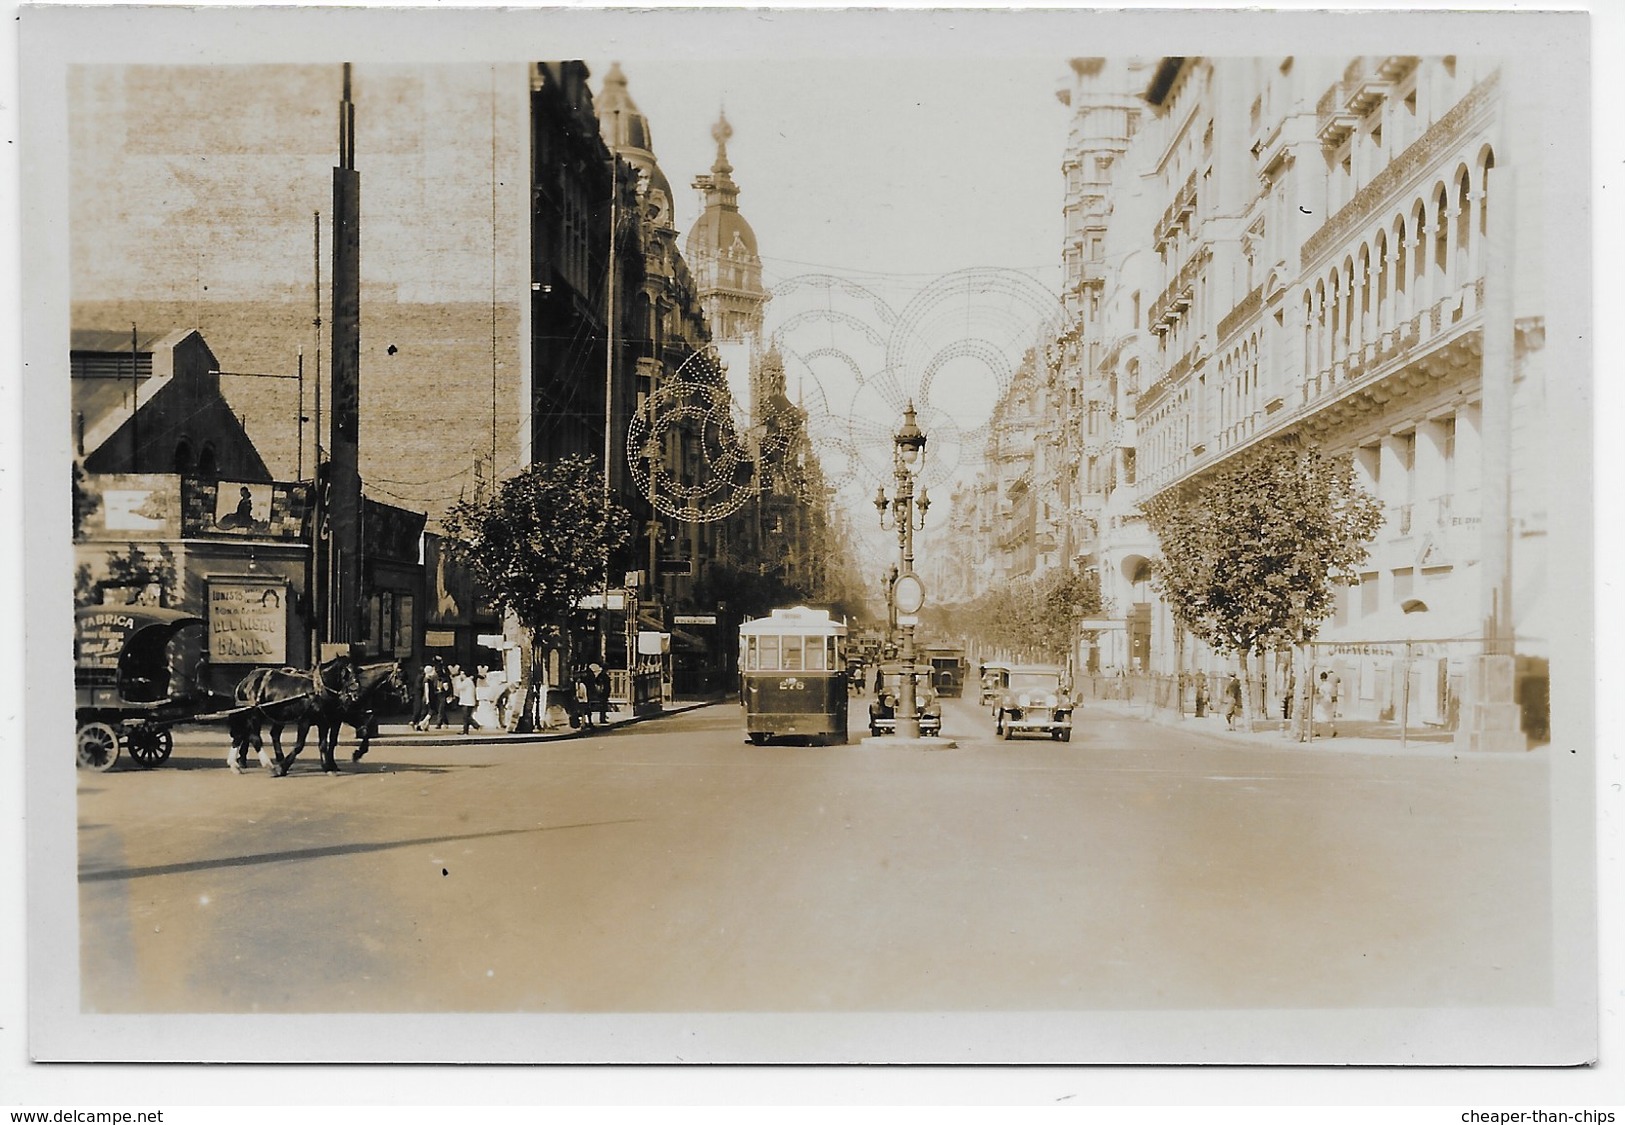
1037,616
540,542
1251,552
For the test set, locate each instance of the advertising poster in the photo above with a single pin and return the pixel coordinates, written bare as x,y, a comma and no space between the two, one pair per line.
248,623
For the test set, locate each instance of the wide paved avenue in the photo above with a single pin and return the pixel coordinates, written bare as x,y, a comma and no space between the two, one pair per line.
670,866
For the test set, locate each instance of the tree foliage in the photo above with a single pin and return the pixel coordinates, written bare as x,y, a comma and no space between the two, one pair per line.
1250,552
1037,616
542,540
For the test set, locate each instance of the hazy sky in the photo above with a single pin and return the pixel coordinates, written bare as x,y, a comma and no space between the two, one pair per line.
890,173
871,168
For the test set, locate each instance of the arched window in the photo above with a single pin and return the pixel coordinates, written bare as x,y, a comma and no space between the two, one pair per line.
1402,261
1380,264
1441,234
183,457
1367,283
1464,222
208,464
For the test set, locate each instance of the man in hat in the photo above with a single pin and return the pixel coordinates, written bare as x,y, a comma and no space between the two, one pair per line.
598,691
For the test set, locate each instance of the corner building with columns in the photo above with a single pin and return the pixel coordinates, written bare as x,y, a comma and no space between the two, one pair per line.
1299,248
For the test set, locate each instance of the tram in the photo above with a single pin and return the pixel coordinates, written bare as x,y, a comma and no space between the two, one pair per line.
793,677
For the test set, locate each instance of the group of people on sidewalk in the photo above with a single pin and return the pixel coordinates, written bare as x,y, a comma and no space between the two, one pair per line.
1324,703
591,695
480,701
445,690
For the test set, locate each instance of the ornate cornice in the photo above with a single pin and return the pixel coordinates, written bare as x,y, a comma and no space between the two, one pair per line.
1249,307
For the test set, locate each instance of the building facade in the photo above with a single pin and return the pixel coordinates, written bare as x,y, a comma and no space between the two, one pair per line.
1261,249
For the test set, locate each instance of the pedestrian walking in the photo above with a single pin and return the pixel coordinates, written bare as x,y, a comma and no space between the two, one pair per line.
598,691
1288,692
1232,701
581,699
422,699
488,692
1326,702
439,694
463,695
1201,695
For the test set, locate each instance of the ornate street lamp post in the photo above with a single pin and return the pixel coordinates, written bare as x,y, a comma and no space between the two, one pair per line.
908,594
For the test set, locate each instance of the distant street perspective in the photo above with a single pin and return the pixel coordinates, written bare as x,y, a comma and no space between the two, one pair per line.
1067,535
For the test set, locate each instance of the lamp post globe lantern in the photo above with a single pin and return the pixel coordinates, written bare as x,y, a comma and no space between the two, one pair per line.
908,456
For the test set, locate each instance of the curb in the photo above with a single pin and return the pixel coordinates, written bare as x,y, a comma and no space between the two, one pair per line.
1273,740
892,742
399,737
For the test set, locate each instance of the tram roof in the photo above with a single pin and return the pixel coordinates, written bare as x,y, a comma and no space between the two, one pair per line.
800,620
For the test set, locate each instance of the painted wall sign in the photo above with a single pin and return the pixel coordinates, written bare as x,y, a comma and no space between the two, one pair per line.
135,510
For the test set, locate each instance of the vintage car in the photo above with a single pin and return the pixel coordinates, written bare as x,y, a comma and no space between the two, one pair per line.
1035,701
995,675
883,708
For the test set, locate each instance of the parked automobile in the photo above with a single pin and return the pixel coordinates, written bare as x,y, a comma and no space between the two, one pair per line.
883,708
1035,701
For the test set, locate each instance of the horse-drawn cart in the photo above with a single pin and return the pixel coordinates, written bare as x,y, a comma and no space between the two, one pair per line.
138,671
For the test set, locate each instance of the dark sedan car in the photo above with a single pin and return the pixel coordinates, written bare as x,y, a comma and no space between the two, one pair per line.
883,708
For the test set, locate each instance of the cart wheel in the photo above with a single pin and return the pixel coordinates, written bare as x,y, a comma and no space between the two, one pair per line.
98,747
150,747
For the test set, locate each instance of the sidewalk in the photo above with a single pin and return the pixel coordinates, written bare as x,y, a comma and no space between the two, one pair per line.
402,734
1353,736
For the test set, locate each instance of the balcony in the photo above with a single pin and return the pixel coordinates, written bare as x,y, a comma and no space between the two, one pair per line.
1242,313
1442,134
1366,82
1268,145
1175,299
1334,121
1182,207
1401,518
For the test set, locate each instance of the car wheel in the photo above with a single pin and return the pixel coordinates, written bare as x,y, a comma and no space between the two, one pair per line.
1009,733
1066,735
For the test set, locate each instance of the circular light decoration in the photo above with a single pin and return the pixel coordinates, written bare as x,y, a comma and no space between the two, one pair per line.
953,351
687,457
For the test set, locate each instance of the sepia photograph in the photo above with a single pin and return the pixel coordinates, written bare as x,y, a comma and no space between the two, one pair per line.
787,537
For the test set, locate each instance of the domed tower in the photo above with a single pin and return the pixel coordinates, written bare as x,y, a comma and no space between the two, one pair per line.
626,131
721,250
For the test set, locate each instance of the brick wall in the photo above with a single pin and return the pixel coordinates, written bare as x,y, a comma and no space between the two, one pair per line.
193,196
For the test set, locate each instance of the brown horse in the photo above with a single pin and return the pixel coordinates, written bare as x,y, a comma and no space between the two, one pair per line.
280,697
